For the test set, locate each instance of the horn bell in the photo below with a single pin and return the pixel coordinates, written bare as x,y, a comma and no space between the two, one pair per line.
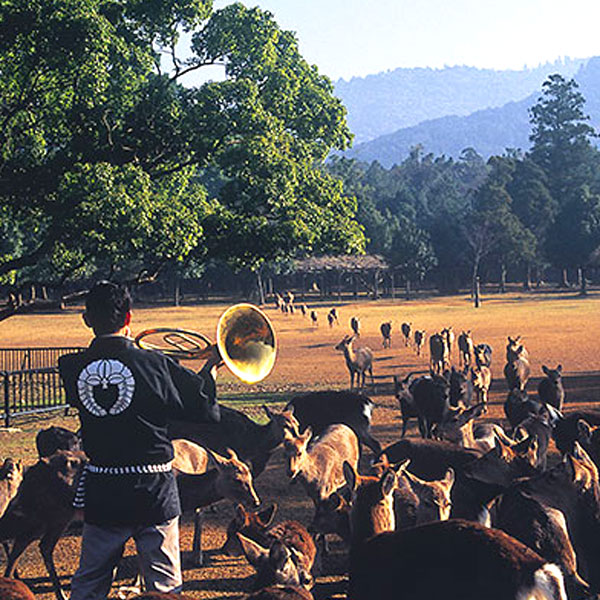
246,342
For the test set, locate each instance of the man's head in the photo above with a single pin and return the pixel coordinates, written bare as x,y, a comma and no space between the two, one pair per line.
107,308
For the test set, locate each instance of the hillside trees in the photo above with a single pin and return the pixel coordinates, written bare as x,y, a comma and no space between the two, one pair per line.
102,152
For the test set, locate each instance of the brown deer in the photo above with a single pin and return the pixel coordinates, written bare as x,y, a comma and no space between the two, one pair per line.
11,475
287,559
406,329
448,334
189,457
517,370
231,479
355,326
420,335
434,497
466,349
481,376
42,509
314,318
332,317
386,334
449,559
320,467
281,592
324,408
438,354
359,361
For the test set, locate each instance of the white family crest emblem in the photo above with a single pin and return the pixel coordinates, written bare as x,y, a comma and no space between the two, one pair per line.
105,372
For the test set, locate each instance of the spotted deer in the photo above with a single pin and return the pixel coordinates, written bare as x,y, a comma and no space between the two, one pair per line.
358,360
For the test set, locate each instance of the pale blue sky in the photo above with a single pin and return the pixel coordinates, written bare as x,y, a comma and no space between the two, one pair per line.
346,38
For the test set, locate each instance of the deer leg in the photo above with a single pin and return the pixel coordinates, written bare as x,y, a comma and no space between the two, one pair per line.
19,546
47,545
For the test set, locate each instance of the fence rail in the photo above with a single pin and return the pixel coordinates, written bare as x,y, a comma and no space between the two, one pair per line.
20,359
30,391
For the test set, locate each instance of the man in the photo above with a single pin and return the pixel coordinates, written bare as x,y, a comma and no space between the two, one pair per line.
124,396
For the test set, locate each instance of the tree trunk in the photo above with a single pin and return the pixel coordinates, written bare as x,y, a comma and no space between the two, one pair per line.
392,285
32,295
503,278
260,286
527,282
564,282
476,293
176,290
376,285
44,293
339,285
582,281
475,276
407,289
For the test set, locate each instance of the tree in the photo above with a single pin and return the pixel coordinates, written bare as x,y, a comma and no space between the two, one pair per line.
575,234
411,253
561,137
561,142
101,149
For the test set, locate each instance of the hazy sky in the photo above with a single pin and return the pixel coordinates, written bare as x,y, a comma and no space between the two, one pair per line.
345,38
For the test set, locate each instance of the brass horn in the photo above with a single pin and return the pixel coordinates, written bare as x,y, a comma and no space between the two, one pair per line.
245,341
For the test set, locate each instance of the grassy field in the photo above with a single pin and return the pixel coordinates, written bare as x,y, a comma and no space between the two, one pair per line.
556,328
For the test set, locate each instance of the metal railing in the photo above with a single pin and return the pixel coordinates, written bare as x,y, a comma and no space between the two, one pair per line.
30,391
20,359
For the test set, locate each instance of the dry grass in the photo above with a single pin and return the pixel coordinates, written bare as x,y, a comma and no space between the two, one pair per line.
556,328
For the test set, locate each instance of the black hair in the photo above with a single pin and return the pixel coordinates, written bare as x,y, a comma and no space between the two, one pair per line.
106,307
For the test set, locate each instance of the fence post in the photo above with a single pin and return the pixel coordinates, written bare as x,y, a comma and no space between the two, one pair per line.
6,400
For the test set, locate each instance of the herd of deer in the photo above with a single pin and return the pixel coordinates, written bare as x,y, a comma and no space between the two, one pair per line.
470,510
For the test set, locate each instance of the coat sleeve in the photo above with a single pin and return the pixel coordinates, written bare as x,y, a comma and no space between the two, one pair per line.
193,395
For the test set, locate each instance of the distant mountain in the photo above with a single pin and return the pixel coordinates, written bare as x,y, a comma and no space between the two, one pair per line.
488,131
383,103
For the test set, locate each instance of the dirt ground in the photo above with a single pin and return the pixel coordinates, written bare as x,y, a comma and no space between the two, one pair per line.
556,328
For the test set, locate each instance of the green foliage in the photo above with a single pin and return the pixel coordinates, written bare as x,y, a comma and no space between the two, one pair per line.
103,158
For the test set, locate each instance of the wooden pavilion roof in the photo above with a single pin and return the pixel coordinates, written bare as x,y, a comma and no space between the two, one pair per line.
344,262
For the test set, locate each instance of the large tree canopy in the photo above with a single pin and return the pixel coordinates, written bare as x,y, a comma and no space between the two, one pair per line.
103,154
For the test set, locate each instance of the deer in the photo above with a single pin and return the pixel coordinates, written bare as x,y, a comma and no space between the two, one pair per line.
517,370
448,334
320,467
438,354
11,475
285,557
355,326
231,479
324,408
253,443
419,340
42,509
403,390
314,318
466,349
436,560
359,361
550,388
332,317
406,329
281,592
481,376
386,334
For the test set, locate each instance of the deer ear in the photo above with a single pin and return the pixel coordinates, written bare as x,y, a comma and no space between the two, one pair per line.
350,475
240,512
232,454
559,368
307,434
545,369
584,430
268,411
220,461
254,552
449,478
288,436
279,554
266,516
388,483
